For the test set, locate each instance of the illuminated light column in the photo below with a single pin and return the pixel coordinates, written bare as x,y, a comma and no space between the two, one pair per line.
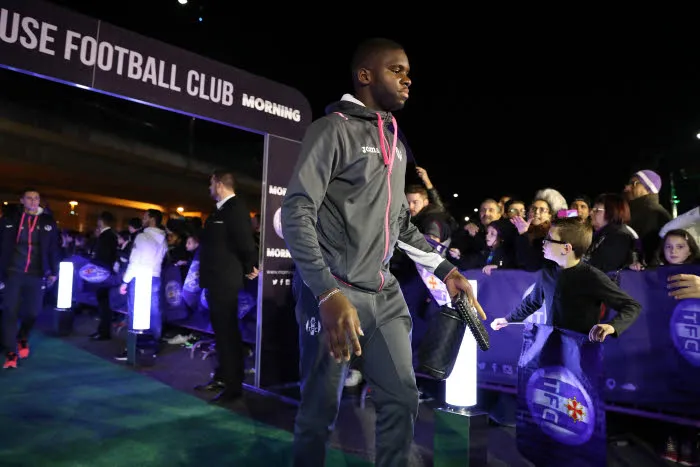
141,316
142,300
461,430
63,313
460,386
65,286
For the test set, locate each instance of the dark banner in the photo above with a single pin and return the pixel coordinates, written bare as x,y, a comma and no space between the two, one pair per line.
43,39
654,365
279,336
561,420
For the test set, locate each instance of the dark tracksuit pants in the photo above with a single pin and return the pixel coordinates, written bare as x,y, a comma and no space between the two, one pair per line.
386,365
22,291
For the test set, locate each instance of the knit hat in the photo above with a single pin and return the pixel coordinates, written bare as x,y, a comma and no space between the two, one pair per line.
650,180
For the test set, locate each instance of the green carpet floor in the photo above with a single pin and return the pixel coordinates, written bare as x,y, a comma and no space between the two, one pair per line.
67,407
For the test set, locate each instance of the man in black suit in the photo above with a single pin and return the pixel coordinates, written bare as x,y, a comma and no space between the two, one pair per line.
227,255
105,255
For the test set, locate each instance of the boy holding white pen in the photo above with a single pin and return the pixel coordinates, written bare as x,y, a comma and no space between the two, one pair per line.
560,420
574,290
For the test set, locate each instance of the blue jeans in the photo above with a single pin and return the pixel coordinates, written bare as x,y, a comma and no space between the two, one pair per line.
156,319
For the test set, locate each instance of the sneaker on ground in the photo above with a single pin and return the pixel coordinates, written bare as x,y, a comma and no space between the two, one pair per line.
10,360
23,348
122,357
179,339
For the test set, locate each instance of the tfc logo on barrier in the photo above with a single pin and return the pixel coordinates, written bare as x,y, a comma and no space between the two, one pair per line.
173,293
560,405
561,419
93,274
685,330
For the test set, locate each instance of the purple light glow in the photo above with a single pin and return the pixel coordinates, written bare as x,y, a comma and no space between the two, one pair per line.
130,99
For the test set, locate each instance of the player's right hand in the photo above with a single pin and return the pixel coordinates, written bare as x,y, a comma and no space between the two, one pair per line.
341,326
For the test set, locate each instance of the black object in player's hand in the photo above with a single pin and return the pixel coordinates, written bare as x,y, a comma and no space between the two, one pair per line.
468,313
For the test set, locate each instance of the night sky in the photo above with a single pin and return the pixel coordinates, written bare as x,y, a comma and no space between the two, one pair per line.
498,108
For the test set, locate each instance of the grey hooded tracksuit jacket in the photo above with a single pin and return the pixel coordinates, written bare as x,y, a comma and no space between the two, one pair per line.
344,211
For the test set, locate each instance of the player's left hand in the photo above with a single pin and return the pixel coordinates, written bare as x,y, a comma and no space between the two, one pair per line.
457,283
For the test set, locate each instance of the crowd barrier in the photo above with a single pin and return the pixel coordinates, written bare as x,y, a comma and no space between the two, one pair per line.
654,365
183,303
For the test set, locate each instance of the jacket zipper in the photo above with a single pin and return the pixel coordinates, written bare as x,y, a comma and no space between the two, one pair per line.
388,154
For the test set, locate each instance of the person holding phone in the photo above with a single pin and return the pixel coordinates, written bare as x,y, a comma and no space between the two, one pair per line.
562,213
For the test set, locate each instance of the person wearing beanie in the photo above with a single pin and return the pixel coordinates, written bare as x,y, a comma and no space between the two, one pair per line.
650,180
648,216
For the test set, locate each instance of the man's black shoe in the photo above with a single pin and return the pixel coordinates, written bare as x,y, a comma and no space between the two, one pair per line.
99,337
226,396
213,385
